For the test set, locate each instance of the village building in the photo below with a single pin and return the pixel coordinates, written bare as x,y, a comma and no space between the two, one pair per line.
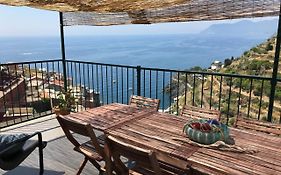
216,65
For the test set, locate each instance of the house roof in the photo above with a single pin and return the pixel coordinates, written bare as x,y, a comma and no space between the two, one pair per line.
116,12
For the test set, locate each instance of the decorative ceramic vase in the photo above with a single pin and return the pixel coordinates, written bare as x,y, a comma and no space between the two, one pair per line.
219,132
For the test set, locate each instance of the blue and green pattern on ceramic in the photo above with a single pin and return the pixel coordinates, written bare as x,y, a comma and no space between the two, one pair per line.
219,132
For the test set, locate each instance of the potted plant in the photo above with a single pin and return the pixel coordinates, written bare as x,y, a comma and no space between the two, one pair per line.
65,104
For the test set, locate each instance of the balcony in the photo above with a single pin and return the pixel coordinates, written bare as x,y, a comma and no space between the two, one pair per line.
32,88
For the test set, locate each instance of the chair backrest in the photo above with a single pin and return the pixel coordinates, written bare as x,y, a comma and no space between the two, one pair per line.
256,125
144,102
143,158
83,129
200,113
16,148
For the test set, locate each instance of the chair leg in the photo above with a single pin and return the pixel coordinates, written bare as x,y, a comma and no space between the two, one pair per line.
82,166
41,161
40,147
95,163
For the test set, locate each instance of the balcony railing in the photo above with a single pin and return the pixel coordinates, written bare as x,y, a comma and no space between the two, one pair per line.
32,88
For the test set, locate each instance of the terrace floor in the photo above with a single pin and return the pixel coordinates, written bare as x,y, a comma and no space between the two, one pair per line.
59,157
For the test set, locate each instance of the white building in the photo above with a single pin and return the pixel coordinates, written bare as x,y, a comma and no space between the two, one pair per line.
216,65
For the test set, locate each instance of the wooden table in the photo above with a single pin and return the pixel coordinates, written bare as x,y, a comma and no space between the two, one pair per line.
266,161
163,133
157,131
107,116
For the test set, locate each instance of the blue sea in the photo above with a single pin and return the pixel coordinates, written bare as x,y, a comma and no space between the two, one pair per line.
180,51
161,51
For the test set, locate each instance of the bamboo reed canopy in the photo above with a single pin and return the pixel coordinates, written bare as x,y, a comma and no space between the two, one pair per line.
117,12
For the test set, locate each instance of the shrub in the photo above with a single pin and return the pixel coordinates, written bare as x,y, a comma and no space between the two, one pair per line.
231,121
278,94
42,106
246,53
196,68
259,65
227,62
269,47
258,50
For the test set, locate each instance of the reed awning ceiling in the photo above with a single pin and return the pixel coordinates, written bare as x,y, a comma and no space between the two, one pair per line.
117,12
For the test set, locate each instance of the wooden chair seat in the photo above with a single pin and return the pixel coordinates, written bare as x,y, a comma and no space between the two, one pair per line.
256,125
92,150
200,113
88,149
144,102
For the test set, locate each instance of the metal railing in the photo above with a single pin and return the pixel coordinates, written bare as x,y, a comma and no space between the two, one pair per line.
31,89
24,94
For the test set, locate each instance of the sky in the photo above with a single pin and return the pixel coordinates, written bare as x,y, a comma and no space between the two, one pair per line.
25,21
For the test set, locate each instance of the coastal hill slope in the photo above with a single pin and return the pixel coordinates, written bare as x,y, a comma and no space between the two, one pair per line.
257,61
244,28
237,96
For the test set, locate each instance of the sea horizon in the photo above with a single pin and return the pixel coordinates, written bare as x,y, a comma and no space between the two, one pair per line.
170,51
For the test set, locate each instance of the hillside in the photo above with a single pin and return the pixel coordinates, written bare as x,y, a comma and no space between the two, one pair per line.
244,28
257,61
225,93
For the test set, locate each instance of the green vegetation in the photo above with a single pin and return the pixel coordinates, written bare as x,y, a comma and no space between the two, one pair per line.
248,96
227,62
42,106
269,46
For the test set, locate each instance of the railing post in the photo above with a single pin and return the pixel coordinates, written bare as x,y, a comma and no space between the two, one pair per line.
275,70
63,52
138,80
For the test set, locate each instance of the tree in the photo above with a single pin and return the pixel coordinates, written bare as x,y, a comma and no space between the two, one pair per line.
196,68
227,62
269,47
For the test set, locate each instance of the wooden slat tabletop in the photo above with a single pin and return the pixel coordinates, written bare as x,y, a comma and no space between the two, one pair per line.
158,131
107,116
266,160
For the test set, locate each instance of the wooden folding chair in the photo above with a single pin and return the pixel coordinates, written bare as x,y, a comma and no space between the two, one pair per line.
145,160
144,102
200,113
256,125
92,150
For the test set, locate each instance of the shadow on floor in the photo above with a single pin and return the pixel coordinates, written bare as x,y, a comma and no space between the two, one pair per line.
22,170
